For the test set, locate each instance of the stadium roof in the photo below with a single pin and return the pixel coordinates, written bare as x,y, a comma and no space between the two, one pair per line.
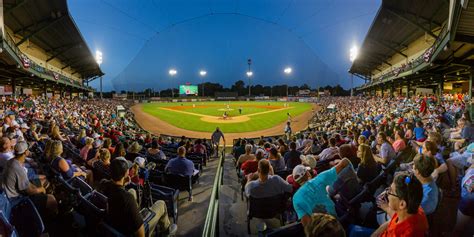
397,23
48,24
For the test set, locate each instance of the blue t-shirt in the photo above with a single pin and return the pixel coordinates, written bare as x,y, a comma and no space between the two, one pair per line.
366,134
312,196
430,197
180,166
419,133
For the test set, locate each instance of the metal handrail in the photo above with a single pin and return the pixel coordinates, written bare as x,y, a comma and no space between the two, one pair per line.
416,62
211,226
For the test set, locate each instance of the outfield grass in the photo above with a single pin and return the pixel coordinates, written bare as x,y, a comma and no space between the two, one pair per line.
194,122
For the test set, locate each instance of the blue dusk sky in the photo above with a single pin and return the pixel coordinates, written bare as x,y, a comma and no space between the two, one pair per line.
141,40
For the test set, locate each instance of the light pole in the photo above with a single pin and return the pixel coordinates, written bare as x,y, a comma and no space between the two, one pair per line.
249,73
353,56
172,73
287,71
203,74
98,59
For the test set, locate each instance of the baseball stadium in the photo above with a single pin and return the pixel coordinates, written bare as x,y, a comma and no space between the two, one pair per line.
236,118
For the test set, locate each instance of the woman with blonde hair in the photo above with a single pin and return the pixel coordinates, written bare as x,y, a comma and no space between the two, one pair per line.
84,153
368,168
64,167
56,134
101,164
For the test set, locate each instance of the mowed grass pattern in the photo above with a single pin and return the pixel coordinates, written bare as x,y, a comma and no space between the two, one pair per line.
194,123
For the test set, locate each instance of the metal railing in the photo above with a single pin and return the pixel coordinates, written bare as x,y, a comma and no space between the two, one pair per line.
211,225
395,73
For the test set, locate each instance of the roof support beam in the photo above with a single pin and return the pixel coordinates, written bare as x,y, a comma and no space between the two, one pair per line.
39,30
402,16
59,52
15,6
389,47
464,38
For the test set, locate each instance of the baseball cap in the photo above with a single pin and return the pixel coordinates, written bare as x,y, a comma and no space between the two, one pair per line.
308,160
299,171
97,143
21,147
140,161
118,167
24,125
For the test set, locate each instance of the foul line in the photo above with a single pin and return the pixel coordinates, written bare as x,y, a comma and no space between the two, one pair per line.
203,115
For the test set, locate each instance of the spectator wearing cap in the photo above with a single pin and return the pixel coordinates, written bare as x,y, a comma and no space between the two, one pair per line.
404,197
299,173
292,157
123,211
15,182
267,184
311,198
180,165
133,151
138,164
309,161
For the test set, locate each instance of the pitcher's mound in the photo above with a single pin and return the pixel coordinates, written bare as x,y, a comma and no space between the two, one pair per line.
237,119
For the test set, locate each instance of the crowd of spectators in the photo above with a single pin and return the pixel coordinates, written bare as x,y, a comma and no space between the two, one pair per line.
394,158
48,145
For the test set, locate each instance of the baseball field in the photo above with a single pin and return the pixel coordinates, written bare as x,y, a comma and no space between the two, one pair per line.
231,117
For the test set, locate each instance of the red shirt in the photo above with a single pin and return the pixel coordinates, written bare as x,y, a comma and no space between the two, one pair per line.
414,226
249,167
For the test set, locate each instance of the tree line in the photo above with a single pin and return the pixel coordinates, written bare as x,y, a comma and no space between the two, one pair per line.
240,87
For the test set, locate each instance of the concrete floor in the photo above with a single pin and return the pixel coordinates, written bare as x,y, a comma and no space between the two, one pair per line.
192,215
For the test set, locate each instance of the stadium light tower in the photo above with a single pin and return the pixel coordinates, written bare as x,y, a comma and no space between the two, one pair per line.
98,59
172,73
353,56
249,73
287,71
203,73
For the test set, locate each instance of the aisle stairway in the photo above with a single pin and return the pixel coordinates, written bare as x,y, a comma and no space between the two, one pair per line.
232,210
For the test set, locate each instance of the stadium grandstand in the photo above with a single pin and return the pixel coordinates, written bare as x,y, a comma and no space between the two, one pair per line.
413,48
43,51
396,159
